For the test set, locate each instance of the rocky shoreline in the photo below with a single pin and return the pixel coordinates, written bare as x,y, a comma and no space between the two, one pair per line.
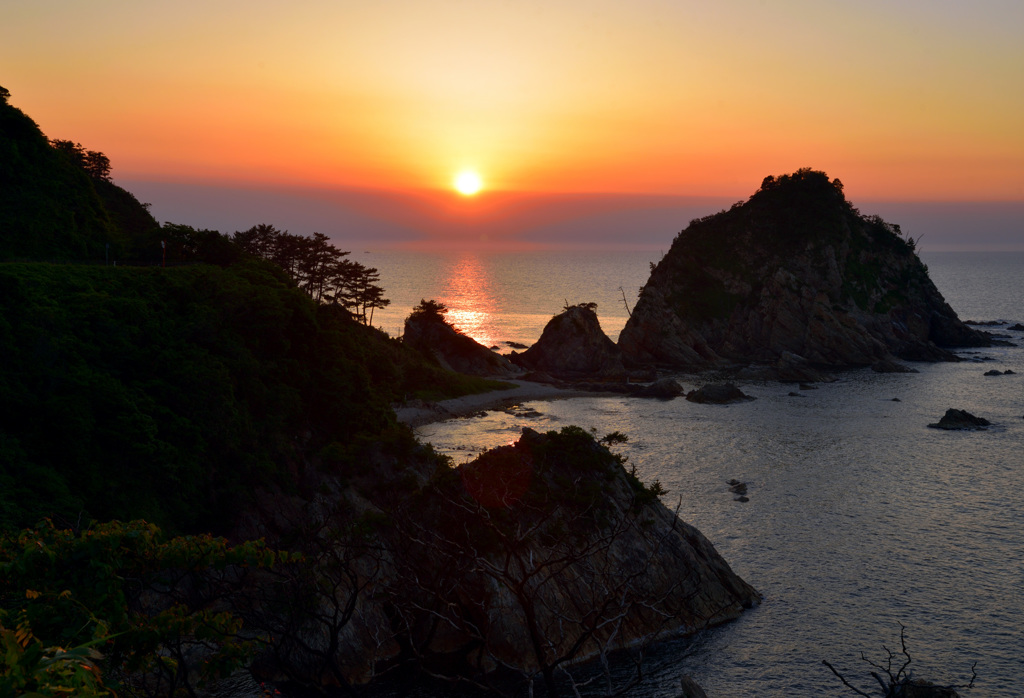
415,413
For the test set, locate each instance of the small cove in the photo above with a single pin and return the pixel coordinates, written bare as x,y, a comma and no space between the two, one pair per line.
860,517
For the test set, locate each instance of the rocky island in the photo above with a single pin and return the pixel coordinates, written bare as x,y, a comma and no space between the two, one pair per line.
791,280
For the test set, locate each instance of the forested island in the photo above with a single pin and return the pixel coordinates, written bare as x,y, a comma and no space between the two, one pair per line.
201,472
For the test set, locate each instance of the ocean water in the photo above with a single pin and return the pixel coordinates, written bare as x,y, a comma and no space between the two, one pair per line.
508,297
860,518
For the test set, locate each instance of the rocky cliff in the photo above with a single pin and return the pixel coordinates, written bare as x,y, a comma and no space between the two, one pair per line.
534,557
794,273
573,346
427,331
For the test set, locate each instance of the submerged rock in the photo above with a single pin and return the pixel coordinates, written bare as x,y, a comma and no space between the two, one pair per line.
961,419
718,394
795,270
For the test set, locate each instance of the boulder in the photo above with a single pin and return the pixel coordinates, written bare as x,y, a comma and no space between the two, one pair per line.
993,372
718,394
573,346
1017,327
429,333
961,419
795,271
691,689
664,389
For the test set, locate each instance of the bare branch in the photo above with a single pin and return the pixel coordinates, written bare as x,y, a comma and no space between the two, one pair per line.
845,682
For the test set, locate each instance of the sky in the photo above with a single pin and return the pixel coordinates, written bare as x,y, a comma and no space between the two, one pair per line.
596,122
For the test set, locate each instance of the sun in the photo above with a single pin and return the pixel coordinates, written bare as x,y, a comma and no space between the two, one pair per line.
468,183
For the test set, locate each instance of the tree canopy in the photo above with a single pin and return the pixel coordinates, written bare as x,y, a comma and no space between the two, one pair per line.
95,163
319,268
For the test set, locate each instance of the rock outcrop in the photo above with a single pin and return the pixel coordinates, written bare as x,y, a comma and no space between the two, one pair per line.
427,331
718,394
663,389
961,420
535,554
794,270
573,346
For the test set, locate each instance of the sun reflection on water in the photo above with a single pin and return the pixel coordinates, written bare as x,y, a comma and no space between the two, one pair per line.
470,300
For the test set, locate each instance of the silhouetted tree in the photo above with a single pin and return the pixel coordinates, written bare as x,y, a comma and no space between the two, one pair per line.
430,307
318,268
900,683
95,163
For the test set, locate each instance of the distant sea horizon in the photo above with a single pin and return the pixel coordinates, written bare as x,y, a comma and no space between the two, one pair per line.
372,219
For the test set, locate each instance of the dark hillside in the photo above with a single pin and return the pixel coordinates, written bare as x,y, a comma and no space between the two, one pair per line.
50,208
167,394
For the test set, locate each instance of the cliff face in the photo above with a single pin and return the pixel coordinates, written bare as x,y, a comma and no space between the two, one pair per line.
534,556
794,272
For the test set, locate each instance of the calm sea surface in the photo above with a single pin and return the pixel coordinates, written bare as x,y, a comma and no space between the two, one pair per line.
860,517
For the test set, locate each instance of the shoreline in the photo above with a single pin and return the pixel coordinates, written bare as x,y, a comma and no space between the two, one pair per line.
417,413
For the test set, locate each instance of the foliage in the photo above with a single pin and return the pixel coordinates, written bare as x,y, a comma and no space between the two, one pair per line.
169,394
430,309
319,268
94,163
49,208
153,606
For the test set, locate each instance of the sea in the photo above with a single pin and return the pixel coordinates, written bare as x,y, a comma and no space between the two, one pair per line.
861,520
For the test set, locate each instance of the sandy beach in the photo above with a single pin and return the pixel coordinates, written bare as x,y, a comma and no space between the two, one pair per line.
416,413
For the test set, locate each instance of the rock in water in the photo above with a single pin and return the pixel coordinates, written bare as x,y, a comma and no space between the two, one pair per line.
574,346
718,394
691,689
664,389
794,270
960,419
428,332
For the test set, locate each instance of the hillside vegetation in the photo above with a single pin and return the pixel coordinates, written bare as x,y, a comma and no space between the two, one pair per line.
51,208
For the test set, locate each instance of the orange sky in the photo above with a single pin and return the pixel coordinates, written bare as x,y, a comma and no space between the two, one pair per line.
916,100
